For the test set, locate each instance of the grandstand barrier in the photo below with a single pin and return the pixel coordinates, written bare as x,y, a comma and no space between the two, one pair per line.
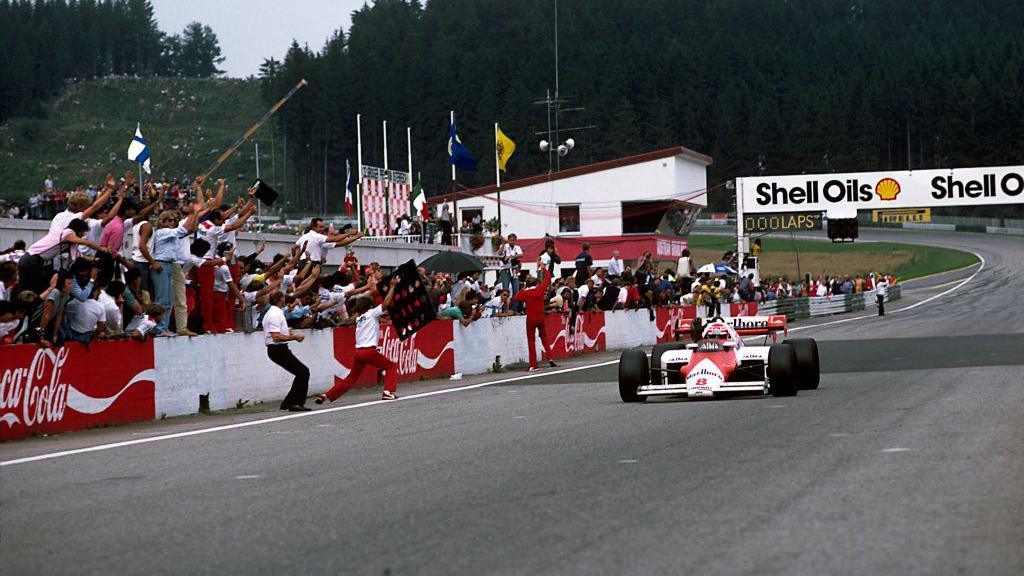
117,382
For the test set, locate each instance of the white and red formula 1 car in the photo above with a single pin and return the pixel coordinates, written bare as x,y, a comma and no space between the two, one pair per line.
719,363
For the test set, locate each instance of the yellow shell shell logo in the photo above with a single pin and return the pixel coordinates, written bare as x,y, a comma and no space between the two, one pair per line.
887,189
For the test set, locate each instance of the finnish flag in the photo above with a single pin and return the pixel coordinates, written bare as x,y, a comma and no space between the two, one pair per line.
138,151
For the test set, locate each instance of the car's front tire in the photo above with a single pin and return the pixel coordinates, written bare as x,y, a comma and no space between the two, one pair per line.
782,372
634,372
659,350
807,366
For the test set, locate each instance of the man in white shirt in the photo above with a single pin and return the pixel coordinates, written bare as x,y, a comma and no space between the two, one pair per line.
84,319
112,310
615,265
684,266
316,240
276,336
366,354
511,256
881,291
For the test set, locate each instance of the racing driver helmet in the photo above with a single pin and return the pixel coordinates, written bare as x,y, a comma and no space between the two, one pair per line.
717,331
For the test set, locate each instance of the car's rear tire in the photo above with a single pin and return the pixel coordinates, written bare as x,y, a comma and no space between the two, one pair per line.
807,366
659,350
634,372
782,370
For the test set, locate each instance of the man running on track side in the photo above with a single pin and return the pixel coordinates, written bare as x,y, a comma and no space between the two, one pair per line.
533,297
367,337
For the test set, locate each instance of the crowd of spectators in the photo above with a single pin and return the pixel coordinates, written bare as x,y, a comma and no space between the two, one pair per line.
120,262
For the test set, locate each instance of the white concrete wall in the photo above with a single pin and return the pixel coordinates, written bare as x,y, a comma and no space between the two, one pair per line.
233,367
476,345
629,329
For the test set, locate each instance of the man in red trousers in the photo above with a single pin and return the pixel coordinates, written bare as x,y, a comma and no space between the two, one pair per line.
366,354
533,298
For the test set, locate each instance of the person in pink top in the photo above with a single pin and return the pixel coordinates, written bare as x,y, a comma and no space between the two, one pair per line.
35,267
113,231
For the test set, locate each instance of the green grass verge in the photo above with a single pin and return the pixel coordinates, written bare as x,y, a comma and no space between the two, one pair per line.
924,261
187,123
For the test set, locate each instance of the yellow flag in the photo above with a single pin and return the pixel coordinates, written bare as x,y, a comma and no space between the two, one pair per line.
505,147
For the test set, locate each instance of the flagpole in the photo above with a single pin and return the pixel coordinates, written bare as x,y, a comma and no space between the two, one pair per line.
138,129
259,203
408,152
455,198
359,171
323,204
497,176
387,185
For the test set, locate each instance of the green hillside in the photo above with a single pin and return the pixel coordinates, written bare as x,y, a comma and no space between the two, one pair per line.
187,124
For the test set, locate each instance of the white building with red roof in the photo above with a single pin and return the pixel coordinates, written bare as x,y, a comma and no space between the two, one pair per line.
633,204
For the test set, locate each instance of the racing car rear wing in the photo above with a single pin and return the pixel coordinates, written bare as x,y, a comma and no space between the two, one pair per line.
744,326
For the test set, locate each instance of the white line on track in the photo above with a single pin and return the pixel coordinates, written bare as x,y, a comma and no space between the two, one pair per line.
111,446
904,309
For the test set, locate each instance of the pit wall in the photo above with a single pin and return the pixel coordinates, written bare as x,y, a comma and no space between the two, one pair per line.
116,382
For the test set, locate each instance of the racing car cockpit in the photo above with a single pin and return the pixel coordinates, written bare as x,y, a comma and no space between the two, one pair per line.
716,337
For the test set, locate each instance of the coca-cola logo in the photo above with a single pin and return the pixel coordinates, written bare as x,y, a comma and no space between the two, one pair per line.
404,353
574,334
34,394
429,351
670,318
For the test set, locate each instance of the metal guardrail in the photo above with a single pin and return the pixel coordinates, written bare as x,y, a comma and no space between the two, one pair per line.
802,308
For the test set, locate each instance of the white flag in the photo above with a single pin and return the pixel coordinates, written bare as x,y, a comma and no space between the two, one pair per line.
348,189
138,151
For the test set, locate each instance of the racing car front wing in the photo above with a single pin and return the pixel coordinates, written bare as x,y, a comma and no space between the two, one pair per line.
683,389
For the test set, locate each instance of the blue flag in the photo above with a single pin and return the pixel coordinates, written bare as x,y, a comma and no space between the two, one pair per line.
459,155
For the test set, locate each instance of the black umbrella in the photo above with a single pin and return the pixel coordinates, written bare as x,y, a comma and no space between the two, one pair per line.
452,262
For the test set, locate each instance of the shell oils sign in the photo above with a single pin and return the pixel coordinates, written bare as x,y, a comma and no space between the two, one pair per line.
882,190
887,189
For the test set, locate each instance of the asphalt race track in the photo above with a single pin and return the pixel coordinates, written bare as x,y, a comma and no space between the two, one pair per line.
908,460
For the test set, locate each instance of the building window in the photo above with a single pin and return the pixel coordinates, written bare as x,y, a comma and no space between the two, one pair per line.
643,217
472,221
569,218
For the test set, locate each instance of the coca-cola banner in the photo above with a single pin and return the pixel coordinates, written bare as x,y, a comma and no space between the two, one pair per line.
572,338
429,353
743,309
70,388
666,320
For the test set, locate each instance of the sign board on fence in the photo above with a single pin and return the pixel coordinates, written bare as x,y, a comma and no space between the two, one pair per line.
882,190
572,338
429,353
48,390
782,222
900,216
